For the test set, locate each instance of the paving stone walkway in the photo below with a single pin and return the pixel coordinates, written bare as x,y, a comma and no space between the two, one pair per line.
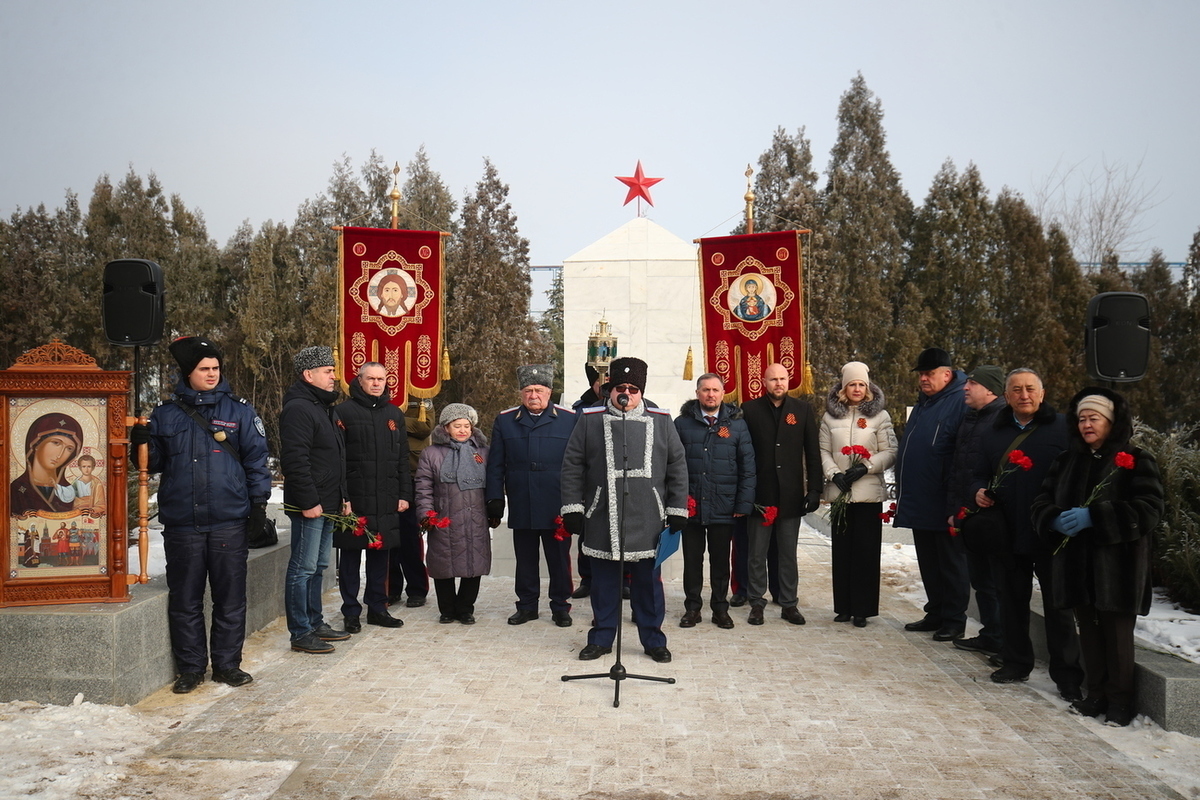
824,710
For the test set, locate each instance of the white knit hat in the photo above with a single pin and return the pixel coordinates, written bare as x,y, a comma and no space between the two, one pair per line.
856,371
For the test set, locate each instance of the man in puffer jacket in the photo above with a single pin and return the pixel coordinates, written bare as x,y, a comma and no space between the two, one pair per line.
721,483
211,449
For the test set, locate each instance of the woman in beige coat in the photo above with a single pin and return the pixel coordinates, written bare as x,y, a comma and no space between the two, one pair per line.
855,417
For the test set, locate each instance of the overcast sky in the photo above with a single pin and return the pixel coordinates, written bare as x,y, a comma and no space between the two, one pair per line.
241,108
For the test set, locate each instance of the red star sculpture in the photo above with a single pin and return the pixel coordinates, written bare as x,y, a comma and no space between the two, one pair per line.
639,185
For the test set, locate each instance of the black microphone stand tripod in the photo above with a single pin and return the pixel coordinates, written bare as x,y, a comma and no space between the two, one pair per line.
617,672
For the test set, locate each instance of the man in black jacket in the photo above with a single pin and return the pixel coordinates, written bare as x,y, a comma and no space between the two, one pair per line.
313,460
984,396
789,478
380,488
1032,427
720,463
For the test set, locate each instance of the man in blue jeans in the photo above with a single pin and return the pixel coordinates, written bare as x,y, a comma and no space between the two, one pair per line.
313,460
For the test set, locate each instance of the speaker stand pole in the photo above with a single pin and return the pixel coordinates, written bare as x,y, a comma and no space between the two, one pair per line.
143,461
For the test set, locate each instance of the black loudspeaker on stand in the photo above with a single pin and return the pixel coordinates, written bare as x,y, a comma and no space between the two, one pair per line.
134,302
617,672
1118,337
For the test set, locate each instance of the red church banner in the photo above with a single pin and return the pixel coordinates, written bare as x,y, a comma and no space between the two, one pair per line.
751,292
390,307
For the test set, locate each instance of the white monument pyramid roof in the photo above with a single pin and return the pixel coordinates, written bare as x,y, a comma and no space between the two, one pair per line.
639,239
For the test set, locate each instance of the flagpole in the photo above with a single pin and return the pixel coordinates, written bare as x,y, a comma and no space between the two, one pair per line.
749,198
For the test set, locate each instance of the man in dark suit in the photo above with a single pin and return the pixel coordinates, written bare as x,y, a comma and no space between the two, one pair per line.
788,459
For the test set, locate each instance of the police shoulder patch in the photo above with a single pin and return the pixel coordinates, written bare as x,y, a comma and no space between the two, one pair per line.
258,426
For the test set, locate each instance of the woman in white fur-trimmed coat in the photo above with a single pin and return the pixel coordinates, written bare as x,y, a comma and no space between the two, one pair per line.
855,415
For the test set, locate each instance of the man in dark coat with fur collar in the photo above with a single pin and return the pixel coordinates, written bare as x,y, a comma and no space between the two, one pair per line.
525,463
789,477
1031,426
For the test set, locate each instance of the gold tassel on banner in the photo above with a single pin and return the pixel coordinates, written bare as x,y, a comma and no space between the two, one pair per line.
806,383
445,363
421,416
687,366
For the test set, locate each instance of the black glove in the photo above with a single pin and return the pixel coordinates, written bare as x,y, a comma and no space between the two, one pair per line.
855,472
139,434
258,518
573,522
495,512
842,482
676,522
812,501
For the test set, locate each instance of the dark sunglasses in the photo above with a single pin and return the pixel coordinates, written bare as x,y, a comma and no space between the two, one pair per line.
627,389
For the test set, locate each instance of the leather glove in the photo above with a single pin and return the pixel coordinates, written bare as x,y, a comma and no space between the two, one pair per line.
495,512
842,482
573,522
812,501
139,434
676,522
855,472
256,521
1073,520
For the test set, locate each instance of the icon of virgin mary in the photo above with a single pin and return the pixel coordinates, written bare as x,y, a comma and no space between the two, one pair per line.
51,444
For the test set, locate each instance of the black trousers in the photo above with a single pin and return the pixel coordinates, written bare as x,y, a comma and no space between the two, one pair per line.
695,538
987,597
218,559
1106,641
458,602
406,563
348,566
739,578
528,577
942,559
1014,580
856,561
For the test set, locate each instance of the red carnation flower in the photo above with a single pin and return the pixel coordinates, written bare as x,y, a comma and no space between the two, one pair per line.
962,513
769,515
1125,460
691,506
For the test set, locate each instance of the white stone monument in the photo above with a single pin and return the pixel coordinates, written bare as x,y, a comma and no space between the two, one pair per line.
644,280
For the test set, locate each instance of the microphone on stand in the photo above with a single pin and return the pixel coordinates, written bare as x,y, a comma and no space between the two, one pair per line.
622,400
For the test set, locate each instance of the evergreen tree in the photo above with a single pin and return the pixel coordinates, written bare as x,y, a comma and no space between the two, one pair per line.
551,326
1157,398
867,221
31,307
1070,292
1183,363
426,204
952,261
488,329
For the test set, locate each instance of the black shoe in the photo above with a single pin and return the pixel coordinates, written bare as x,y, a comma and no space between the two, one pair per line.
394,598
446,619
233,677
328,634
467,619
624,592
978,644
996,660
593,651
563,620
722,619
415,602
689,619
793,615
842,618
583,590
738,600
1071,694
756,615
383,620
187,682
660,654
926,624
948,633
311,643
860,622
1009,675
353,625
1091,707
522,616
1119,717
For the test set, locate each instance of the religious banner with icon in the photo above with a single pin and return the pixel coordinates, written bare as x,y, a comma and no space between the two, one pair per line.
390,307
751,295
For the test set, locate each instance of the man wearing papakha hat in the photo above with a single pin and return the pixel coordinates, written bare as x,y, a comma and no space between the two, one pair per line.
624,477
525,462
313,460
211,449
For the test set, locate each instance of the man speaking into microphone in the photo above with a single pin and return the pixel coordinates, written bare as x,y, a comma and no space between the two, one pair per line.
624,478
